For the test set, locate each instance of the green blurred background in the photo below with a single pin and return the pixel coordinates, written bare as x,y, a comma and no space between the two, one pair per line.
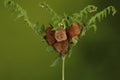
24,57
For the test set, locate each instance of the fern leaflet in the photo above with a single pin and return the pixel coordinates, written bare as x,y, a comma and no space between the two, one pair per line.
102,14
82,15
21,13
98,17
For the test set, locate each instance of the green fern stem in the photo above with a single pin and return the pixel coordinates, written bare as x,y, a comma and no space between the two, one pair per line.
63,67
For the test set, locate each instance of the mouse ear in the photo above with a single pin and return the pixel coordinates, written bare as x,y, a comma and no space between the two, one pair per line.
50,36
74,31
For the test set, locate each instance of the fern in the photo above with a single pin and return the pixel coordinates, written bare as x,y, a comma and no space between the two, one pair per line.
98,17
55,18
64,21
21,13
101,15
18,9
83,14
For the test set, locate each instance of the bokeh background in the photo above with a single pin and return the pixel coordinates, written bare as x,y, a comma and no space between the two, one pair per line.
24,57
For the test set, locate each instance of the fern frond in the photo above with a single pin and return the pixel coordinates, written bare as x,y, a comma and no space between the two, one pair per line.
79,17
98,17
48,8
18,9
55,18
21,13
102,14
